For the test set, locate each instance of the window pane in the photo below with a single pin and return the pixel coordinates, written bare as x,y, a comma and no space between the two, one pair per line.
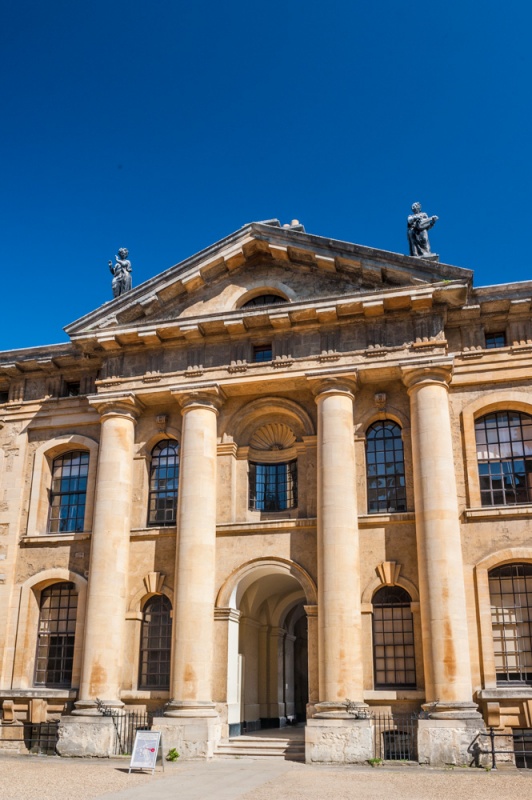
164,480
384,457
273,487
68,491
511,614
156,642
506,433
393,638
55,641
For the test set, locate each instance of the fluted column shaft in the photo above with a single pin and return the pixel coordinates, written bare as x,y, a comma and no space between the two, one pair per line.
440,563
103,649
192,673
339,613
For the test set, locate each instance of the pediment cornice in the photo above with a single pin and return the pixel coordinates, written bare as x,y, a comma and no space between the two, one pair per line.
244,248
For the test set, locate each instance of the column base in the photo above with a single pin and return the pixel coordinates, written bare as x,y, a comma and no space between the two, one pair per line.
193,709
85,736
346,740
91,708
194,738
452,710
351,709
444,742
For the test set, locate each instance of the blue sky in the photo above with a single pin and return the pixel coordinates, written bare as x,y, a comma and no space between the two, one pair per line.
165,126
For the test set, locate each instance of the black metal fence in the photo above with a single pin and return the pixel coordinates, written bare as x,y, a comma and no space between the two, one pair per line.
126,727
508,748
395,736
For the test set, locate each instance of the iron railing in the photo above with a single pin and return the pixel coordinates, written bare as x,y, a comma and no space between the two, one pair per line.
395,736
520,752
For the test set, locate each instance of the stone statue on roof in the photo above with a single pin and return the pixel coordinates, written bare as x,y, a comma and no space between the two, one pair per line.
121,272
418,224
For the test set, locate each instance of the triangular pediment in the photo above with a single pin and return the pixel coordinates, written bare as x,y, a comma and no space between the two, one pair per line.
260,258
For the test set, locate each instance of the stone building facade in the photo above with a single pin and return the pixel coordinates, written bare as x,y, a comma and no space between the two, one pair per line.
288,478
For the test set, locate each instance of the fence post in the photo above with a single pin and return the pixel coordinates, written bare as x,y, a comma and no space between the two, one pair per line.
492,740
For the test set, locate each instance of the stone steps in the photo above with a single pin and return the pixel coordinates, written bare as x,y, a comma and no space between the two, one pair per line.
285,748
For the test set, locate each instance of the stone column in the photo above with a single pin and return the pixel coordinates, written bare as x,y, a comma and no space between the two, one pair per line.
193,626
333,734
339,610
440,564
103,650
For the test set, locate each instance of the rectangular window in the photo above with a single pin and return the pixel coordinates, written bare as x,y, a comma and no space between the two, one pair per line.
55,641
4,397
262,352
273,487
72,389
493,340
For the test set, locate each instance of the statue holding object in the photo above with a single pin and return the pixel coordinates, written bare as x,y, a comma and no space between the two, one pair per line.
418,224
121,272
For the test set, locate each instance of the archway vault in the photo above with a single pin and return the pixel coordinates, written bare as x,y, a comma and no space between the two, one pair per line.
234,587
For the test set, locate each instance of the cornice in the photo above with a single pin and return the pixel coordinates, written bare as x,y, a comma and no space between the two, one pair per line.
337,309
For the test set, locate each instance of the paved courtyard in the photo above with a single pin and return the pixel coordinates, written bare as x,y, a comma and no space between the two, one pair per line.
48,778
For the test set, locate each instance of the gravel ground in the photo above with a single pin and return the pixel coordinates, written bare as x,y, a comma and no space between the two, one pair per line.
406,783
47,778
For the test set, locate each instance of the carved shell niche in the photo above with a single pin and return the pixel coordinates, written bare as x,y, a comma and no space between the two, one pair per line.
273,436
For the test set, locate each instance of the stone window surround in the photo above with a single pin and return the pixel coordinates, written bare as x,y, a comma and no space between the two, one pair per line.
41,482
153,585
28,620
385,571
362,425
487,655
502,400
142,467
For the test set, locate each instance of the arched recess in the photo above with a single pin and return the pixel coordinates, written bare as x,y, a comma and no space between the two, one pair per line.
41,480
26,625
251,416
256,288
262,612
502,400
482,568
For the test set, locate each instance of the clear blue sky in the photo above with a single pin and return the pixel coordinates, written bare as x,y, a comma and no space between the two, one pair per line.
165,126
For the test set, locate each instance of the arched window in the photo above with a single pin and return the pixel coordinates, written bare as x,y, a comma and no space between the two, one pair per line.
55,640
264,300
155,644
504,453
273,487
68,492
511,618
385,468
164,478
393,638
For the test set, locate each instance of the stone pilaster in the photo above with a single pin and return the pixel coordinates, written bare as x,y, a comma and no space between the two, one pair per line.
103,648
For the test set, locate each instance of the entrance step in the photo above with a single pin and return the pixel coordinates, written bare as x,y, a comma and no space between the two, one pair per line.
287,748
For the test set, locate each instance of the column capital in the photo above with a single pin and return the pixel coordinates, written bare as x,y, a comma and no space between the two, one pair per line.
416,376
211,397
117,405
326,386
311,611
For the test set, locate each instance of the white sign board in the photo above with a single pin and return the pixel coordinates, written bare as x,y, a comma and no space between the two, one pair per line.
145,750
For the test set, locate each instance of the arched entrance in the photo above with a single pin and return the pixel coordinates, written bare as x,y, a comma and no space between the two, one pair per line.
268,647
